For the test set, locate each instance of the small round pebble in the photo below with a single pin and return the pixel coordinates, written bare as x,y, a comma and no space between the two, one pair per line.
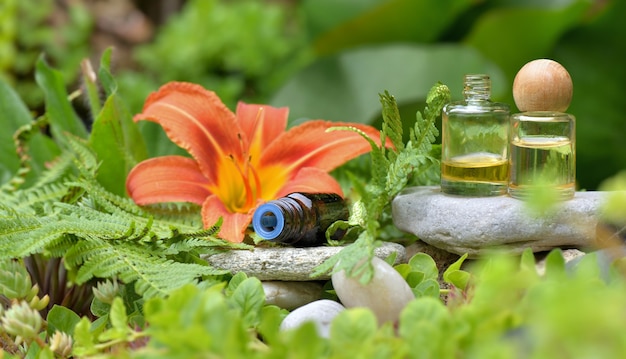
386,294
321,313
543,85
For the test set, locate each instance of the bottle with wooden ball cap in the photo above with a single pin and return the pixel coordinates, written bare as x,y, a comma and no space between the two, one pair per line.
475,142
300,219
543,141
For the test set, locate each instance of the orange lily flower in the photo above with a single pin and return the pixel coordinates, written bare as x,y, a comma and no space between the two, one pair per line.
239,160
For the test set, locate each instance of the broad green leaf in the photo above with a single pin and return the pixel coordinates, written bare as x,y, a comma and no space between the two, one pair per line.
13,115
383,22
425,324
118,144
413,279
404,269
234,282
84,340
323,15
118,317
302,342
271,318
98,308
512,36
427,288
345,87
58,107
351,329
594,55
423,263
249,298
458,278
555,264
456,266
61,319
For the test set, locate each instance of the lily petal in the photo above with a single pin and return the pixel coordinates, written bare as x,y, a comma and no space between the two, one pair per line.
311,180
310,145
234,225
196,120
261,125
167,179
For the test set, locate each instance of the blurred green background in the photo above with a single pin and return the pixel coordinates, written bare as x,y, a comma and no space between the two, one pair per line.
329,59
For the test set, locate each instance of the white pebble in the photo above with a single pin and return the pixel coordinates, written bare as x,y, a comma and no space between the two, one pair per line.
321,313
386,294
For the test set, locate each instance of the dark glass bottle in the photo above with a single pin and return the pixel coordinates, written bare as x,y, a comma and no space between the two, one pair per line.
300,219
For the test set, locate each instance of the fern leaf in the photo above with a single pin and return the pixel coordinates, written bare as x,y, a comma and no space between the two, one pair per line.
154,274
392,123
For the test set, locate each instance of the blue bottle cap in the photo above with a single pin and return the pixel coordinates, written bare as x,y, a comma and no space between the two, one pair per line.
268,221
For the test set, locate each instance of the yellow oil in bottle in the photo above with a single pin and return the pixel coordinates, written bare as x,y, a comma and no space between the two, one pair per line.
542,161
475,174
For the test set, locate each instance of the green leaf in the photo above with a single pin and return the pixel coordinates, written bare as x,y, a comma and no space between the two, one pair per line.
118,144
555,264
426,324
458,278
593,54
118,317
356,23
271,318
62,319
58,107
423,263
84,340
13,115
427,288
352,329
15,282
98,308
234,282
345,87
504,34
119,322
414,278
455,267
104,73
249,298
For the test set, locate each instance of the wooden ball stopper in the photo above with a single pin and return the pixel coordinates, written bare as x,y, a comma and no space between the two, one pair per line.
543,85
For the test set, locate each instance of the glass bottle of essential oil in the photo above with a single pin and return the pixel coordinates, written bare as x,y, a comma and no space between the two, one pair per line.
475,142
300,219
543,153
543,138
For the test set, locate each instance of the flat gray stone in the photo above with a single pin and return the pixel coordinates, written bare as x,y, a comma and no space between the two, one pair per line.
476,225
287,263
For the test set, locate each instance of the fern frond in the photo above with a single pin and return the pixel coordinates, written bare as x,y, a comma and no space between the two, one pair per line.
425,131
390,173
154,274
392,122
84,157
30,198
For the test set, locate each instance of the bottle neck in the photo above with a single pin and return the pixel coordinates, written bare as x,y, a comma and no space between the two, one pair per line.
281,220
477,88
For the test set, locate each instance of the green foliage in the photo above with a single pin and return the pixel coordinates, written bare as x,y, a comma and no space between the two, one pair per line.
391,170
507,310
27,31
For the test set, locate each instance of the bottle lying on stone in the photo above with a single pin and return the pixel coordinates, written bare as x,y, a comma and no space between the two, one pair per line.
300,219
